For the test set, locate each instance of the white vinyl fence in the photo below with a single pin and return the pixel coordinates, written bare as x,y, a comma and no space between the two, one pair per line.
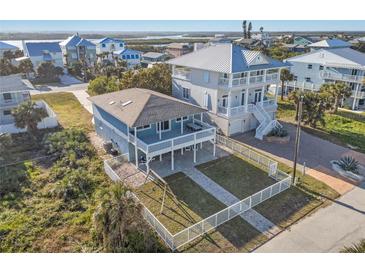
268,164
196,230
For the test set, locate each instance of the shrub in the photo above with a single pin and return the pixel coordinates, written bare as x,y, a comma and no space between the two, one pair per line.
278,132
348,163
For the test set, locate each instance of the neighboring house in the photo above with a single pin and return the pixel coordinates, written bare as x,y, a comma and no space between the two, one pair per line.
264,38
150,58
6,47
77,49
13,91
302,41
108,46
329,44
232,83
295,47
132,57
178,49
315,68
357,40
219,39
145,124
41,52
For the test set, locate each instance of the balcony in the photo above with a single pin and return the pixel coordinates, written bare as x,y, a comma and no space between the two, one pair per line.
341,77
244,81
359,94
182,74
269,105
173,139
272,77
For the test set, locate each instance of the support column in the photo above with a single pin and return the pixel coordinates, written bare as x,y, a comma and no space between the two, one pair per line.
246,100
276,92
135,146
229,104
355,96
160,131
148,164
172,159
201,117
262,95
182,151
182,126
194,149
160,157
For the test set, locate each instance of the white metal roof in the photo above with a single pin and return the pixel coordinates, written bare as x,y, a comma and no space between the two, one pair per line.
226,58
345,57
330,43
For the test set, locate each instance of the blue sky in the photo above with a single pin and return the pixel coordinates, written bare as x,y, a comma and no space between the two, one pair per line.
177,25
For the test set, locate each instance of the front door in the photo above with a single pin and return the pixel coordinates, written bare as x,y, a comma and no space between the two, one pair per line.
257,96
224,101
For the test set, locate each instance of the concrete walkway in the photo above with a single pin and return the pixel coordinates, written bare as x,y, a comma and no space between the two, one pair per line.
251,216
315,152
328,230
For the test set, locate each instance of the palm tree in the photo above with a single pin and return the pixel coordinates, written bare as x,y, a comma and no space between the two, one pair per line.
5,142
314,108
114,217
337,92
26,66
249,30
355,248
28,115
285,76
244,27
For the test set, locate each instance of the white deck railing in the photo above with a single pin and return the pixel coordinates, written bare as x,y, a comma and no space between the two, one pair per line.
234,111
175,241
341,76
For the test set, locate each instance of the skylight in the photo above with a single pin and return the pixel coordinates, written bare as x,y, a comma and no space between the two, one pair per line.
126,103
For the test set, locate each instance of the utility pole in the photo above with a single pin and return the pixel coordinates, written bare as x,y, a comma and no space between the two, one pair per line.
297,136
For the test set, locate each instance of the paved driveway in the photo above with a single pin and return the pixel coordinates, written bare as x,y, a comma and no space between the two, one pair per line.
315,152
328,230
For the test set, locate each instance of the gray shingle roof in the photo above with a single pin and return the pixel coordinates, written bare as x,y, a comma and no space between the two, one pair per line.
14,83
146,107
226,58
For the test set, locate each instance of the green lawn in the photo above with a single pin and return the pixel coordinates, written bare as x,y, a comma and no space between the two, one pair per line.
342,128
70,112
191,205
236,175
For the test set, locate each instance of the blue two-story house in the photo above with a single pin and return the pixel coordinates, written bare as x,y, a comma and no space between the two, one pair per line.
145,124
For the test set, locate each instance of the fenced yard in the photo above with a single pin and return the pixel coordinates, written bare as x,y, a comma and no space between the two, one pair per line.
190,212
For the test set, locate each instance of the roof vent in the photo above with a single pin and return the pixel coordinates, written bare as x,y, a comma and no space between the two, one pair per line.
126,103
111,102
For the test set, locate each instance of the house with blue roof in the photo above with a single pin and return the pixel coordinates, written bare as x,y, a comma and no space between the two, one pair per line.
232,83
132,57
77,49
108,46
6,47
41,52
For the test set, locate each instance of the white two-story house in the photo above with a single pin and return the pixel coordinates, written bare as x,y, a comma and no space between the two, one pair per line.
77,49
232,83
108,46
315,68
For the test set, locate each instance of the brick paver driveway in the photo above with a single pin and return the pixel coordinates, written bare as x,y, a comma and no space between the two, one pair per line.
315,152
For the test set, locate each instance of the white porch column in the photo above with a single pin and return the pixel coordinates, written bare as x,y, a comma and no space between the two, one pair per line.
262,95
265,74
229,104
182,151
182,126
276,92
172,159
214,143
201,117
194,149
160,157
135,146
148,164
160,131
355,96
246,100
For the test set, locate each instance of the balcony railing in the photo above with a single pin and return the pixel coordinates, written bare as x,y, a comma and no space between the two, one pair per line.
341,77
359,94
256,79
182,74
236,82
178,142
238,110
272,77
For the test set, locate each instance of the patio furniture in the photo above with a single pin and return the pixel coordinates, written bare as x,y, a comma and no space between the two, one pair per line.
194,127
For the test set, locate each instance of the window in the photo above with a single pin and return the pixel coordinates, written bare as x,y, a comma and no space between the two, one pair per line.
184,119
123,57
225,76
73,55
128,56
295,78
103,45
165,126
206,76
121,45
243,98
143,127
7,96
307,79
7,112
186,93
310,66
137,56
321,67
